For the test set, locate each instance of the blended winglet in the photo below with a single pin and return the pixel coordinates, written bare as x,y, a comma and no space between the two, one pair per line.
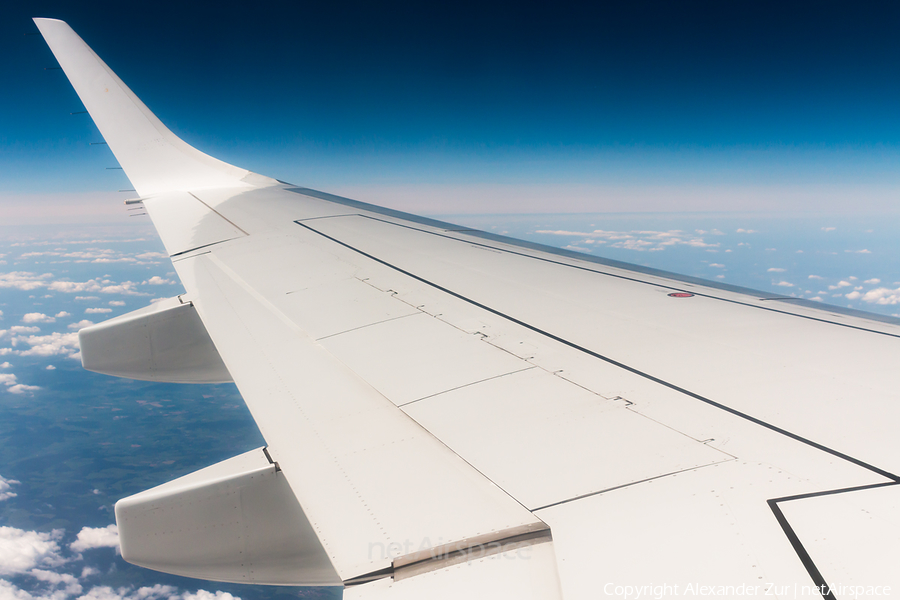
154,159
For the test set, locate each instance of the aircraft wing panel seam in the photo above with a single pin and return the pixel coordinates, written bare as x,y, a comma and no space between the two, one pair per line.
794,539
614,362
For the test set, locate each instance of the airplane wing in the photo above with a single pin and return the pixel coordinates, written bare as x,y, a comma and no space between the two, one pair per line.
449,412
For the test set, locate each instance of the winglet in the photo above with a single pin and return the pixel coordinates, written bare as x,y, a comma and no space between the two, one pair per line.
154,159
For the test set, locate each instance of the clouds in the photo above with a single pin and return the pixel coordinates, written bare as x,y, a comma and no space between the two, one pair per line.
61,583
23,280
14,387
94,255
96,311
157,280
21,551
6,488
44,559
881,295
52,344
96,537
103,286
28,281
634,240
23,329
36,317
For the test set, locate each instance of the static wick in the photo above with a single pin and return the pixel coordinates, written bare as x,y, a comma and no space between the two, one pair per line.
53,68
98,143
127,190
79,112
108,168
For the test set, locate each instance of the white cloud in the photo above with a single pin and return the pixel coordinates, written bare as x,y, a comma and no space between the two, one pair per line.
116,303
5,365
63,582
151,255
157,280
96,537
863,251
103,286
62,315
784,284
21,388
53,344
21,551
87,297
882,295
827,229
81,324
853,295
840,284
873,281
5,487
40,557
19,329
816,277
776,270
1,315
717,265
37,317
746,231
628,240
50,368
204,595
23,280
96,311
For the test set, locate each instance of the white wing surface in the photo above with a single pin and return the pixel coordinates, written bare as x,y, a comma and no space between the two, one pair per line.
451,413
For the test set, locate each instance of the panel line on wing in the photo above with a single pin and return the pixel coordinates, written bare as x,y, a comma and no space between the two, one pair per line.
233,224
631,483
794,539
459,387
616,363
331,335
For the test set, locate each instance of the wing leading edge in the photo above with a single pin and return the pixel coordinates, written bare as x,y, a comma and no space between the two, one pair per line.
452,410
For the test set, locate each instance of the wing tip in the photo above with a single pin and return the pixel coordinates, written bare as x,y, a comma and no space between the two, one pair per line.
39,20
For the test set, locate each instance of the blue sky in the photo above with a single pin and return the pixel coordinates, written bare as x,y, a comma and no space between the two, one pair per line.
646,107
